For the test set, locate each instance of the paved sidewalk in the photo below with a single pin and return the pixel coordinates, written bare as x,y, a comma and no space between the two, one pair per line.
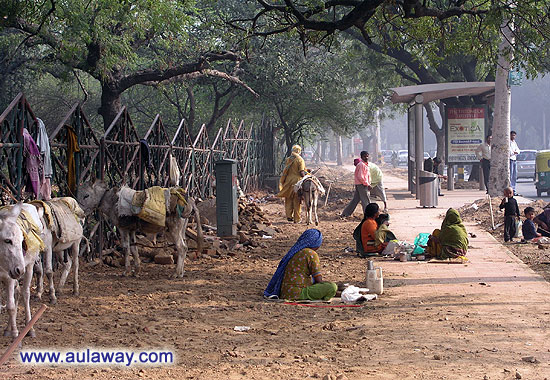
507,301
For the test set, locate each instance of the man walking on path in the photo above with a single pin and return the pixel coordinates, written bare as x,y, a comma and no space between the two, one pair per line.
377,186
483,153
514,151
362,186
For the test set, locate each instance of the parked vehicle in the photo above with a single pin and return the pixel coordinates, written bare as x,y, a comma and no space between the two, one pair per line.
386,155
426,155
526,164
542,172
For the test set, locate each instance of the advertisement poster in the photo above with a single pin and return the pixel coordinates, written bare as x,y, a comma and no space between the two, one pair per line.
465,131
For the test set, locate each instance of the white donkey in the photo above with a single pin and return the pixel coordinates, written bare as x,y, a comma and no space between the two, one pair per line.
97,195
63,232
17,258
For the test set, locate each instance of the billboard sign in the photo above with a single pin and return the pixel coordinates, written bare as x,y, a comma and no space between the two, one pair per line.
465,130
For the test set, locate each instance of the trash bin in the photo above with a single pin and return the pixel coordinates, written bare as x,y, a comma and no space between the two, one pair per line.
428,189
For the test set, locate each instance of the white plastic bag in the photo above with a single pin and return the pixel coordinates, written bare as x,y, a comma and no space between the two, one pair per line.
352,294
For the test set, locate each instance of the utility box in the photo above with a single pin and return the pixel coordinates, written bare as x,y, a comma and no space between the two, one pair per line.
227,215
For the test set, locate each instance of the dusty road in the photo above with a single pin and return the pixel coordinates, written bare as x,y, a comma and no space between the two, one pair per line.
473,321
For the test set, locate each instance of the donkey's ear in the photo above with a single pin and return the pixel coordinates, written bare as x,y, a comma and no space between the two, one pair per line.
11,211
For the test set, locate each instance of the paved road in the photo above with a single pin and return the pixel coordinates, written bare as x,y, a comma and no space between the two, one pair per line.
527,189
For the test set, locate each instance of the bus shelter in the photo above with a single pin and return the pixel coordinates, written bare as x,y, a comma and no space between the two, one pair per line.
465,126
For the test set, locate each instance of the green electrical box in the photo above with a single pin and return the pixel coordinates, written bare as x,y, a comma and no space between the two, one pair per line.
227,215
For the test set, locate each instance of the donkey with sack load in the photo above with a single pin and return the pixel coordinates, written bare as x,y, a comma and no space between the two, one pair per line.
63,221
149,211
21,233
309,188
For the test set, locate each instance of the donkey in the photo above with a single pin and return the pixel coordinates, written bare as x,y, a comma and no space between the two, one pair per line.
309,189
17,258
97,195
64,232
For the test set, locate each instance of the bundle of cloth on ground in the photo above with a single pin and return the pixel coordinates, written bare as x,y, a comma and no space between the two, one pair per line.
298,275
152,204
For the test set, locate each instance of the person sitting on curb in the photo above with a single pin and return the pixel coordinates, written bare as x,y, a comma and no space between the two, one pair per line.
543,221
365,233
528,228
451,241
293,278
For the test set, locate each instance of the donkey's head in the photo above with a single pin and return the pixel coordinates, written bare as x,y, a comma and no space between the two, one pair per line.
90,195
12,254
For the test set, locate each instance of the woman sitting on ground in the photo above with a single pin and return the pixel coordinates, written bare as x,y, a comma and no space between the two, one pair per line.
293,278
383,233
451,241
365,233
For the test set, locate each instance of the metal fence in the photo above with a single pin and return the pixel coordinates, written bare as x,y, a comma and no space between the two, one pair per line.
122,156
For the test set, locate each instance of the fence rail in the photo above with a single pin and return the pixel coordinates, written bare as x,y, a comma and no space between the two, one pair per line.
121,156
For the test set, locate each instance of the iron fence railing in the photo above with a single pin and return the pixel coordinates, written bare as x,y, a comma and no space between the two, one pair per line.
120,156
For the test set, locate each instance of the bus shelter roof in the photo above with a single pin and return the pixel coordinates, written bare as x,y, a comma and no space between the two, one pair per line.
436,91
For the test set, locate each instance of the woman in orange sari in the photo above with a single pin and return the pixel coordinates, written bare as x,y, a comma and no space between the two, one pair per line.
294,170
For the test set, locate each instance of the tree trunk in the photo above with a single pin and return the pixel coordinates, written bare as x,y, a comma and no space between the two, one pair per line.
376,140
499,177
339,150
110,104
324,145
439,132
318,152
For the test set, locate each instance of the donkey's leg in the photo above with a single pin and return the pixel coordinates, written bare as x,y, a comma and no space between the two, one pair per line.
27,279
67,265
176,230
315,199
125,237
75,251
135,253
11,307
39,272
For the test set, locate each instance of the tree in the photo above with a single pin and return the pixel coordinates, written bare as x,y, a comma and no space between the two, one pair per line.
122,43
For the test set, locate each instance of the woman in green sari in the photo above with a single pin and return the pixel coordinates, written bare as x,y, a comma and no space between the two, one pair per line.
451,241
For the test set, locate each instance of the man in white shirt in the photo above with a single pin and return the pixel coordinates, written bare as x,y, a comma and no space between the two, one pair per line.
514,151
483,153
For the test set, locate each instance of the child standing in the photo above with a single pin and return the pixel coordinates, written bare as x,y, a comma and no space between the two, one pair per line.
511,211
528,229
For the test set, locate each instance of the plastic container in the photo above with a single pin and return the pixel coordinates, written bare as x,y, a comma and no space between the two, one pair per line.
375,281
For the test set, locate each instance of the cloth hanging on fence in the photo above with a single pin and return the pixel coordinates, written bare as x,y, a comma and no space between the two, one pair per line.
32,163
174,171
43,143
145,153
72,148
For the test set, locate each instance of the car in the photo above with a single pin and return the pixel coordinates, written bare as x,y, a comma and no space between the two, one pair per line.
386,155
526,163
402,157
426,155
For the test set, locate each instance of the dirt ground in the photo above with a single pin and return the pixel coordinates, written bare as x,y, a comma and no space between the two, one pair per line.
195,317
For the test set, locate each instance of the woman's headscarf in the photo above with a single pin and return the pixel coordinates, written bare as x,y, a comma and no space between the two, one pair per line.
312,238
453,233
297,149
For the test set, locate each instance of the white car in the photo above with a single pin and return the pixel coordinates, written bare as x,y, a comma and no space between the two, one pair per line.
402,157
526,163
